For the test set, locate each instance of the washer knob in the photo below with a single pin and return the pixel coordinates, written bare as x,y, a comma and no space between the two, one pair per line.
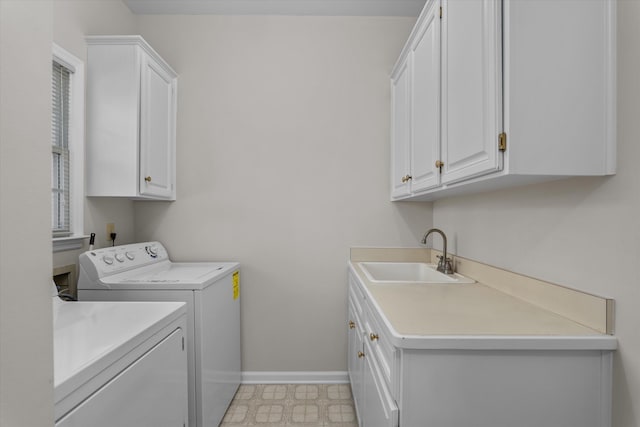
119,257
130,255
152,251
107,260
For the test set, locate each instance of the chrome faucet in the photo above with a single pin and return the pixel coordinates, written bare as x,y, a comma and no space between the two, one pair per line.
444,263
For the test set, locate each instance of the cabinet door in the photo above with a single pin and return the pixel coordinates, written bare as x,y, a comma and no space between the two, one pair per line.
380,409
355,354
425,106
471,88
400,132
157,131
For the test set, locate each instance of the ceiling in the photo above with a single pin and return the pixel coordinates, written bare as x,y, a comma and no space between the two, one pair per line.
278,7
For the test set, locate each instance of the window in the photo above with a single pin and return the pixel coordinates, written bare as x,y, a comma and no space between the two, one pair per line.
60,186
67,150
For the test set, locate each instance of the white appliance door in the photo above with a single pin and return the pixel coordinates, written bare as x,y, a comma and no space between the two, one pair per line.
151,392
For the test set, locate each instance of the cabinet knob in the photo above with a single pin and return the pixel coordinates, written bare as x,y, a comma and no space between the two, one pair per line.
360,355
439,163
406,178
147,178
373,337
352,324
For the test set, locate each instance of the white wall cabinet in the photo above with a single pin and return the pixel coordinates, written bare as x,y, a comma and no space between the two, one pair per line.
504,93
415,93
400,152
131,120
471,113
447,385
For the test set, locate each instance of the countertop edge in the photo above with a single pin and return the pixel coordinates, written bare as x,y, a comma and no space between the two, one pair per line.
506,342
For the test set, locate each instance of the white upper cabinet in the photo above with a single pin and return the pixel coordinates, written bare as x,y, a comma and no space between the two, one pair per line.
523,91
425,105
400,134
131,120
471,88
415,87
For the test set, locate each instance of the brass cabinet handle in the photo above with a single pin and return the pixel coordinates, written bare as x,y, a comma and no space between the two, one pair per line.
352,324
360,355
373,337
406,178
147,178
439,163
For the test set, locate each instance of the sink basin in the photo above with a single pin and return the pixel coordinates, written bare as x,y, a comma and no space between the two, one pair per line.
408,272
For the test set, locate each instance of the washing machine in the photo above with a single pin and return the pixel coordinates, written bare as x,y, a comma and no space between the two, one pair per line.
211,291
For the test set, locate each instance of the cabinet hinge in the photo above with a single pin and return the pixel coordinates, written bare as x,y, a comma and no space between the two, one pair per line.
502,142
440,12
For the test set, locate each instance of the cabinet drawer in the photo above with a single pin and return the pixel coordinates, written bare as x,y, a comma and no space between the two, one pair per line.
379,342
356,295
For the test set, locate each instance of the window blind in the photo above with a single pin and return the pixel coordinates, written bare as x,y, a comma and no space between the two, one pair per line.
60,218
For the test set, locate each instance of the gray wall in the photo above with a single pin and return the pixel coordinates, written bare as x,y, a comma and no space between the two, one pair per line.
26,347
583,233
283,128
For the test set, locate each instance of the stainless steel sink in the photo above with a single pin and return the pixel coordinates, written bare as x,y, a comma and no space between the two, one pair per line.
408,272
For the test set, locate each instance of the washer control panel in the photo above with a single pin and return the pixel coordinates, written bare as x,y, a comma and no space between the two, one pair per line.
106,261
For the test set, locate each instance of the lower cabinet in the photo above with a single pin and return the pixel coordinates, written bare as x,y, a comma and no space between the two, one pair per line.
380,409
374,402
456,387
355,355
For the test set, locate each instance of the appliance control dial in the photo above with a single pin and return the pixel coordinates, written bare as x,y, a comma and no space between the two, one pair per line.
152,250
107,260
119,257
130,255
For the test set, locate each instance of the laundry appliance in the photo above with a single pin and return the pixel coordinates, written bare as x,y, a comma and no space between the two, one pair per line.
144,272
119,363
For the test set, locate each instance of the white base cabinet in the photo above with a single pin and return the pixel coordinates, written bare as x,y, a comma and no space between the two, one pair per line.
380,409
375,406
131,120
505,388
449,387
489,94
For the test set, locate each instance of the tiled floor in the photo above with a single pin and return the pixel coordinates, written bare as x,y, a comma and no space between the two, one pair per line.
292,405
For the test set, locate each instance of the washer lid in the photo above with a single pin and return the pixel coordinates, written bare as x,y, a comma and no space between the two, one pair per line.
171,275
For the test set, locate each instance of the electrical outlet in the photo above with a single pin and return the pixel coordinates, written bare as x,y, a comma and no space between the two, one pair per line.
111,228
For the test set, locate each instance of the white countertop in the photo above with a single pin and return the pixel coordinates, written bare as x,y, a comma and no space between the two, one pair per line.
89,337
472,316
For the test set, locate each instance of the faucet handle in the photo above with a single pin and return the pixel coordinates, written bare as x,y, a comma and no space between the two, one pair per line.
445,265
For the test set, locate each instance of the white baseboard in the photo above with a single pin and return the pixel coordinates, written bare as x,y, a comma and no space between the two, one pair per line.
295,377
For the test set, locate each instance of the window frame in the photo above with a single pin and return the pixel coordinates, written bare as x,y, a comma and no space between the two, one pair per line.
76,149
